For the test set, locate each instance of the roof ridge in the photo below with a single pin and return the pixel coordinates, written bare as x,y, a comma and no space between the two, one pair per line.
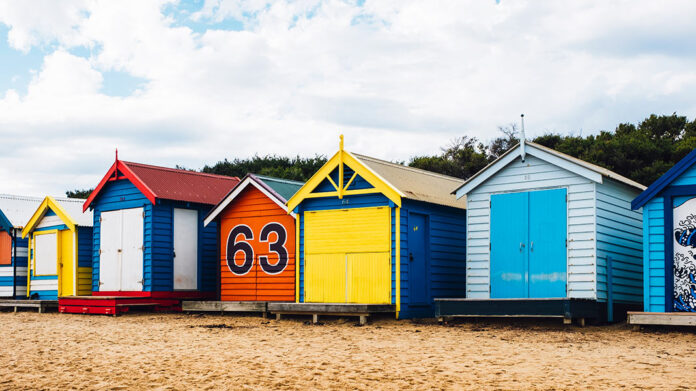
409,168
180,171
38,198
288,181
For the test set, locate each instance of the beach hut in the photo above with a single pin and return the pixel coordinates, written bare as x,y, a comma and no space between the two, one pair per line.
549,235
256,240
376,236
15,211
669,244
149,239
60,239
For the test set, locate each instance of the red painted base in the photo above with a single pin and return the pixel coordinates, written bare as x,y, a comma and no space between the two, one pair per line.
112,305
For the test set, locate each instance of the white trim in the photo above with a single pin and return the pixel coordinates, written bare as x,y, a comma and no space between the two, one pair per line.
237,190
74,260
516,152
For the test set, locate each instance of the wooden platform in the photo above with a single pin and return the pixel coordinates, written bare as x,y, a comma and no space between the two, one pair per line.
333,309
225,306
662,318
114,305
40,305
565,308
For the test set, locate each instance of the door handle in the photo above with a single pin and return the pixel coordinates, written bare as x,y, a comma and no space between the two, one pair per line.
410,257
531,246
521,246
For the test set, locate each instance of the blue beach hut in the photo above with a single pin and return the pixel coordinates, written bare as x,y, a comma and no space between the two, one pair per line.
669,241
550,235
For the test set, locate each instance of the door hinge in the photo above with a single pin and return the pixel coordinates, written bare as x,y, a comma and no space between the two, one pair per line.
101,219
566,243
490,246
100,251
101,283
143,214
140,282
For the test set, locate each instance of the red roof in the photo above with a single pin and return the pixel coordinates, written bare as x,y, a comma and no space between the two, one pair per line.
168,183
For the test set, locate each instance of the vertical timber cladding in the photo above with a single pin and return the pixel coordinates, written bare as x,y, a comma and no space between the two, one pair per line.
347,255
257,250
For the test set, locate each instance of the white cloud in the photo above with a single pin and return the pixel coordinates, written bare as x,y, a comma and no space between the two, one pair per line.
399,78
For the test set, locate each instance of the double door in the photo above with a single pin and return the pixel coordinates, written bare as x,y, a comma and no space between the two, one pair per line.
528,244
121,250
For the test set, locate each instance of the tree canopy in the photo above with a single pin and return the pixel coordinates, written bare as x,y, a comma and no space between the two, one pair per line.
641,152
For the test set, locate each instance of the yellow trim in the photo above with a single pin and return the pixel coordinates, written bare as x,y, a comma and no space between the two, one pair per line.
340,159
297,257
332,183
398,260
46,204
352,178
29,251
75,263
58,254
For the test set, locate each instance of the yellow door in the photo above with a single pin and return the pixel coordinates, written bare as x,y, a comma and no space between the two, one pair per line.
65,263
347,256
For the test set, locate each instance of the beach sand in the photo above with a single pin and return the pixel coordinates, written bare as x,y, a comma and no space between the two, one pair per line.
183,352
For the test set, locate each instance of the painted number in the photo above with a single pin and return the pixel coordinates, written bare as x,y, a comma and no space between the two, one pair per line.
234,246
278,246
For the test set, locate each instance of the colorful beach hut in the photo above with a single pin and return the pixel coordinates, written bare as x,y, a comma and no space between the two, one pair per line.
257,240
549,235
149,239
15,211
669,246
371,232
60,242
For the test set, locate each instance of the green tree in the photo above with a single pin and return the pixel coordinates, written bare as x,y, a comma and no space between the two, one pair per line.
464,157
78,193
297,168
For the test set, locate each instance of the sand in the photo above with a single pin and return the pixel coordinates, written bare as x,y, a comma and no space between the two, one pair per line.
179,351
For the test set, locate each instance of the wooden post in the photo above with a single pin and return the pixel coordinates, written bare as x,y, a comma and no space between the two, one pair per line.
363,320
315,318
581,322
610,290
278,316
567,320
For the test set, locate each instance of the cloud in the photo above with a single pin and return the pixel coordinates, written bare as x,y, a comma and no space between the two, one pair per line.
399,78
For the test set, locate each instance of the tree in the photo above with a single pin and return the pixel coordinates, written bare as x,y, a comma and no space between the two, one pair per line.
79,193
297,168
464,157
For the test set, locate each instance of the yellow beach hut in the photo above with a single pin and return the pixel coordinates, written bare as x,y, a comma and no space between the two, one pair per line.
60,249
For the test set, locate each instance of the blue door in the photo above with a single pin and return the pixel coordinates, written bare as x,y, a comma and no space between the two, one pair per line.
547,243
528,244
509,231
417,258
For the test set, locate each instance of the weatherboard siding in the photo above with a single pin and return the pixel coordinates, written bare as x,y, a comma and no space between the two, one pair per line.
619,236
446,247
531,175
8,271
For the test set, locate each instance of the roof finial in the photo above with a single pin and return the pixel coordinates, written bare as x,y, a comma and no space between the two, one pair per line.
340,144
116,154
523,137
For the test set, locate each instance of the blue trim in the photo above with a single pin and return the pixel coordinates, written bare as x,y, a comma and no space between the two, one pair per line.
662,182
668,216
61,227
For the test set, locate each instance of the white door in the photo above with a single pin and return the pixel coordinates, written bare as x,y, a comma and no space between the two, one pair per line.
46,255
121,255
110,251
185,249
132,250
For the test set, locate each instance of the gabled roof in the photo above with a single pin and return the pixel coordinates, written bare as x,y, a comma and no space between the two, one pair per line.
580,167
278,190
665,180
16,210
395,181
416,184
168,183
69,210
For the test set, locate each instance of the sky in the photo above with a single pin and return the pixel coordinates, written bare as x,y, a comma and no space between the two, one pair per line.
194,82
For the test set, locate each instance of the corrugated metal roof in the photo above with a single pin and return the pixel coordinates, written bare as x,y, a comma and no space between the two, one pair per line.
73,207
19,209
183,185
283,187
417,184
